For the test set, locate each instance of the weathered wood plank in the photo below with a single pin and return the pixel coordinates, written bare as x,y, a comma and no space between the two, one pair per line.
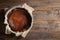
46,23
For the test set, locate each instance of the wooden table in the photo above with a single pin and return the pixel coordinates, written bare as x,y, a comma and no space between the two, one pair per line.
46,24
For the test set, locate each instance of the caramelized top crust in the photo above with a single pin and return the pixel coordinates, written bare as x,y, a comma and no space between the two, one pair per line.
17,20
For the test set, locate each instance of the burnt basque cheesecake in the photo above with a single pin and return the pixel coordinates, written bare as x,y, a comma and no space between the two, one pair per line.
19,19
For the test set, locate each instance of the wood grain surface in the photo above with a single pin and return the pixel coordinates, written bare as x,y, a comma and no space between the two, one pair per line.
46,19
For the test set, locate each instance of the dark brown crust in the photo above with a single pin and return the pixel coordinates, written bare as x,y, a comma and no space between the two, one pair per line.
17,20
